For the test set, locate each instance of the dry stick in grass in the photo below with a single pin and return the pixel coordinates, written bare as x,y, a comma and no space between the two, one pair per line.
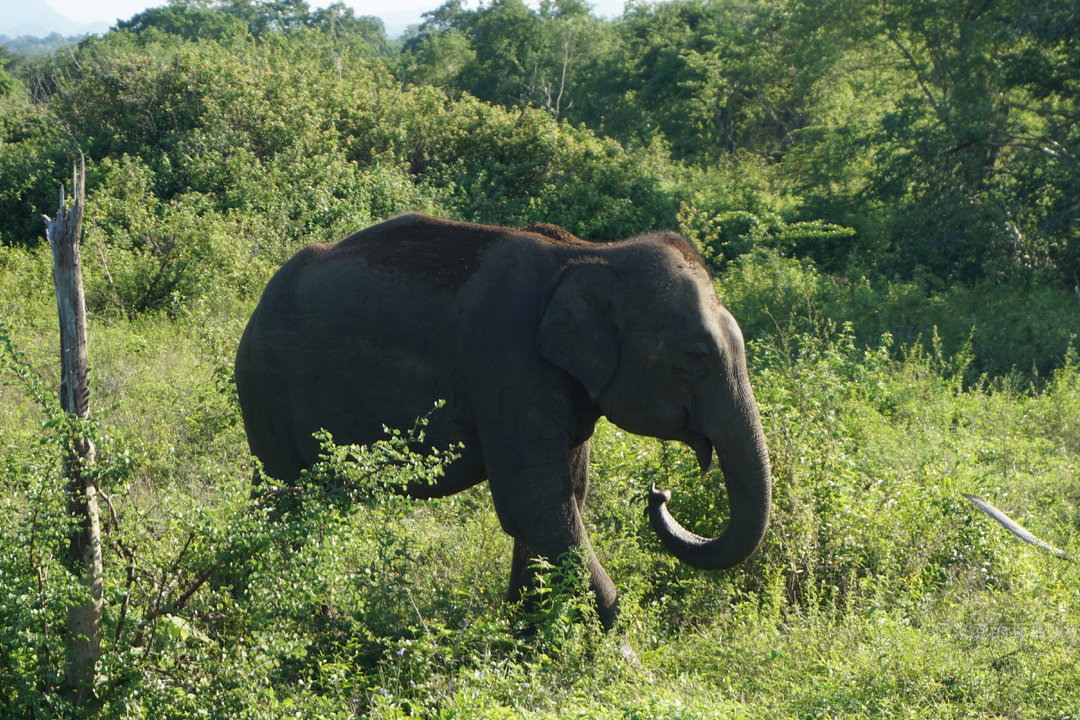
1016,528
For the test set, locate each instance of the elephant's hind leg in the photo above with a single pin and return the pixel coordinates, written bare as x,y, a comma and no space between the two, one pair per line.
271,440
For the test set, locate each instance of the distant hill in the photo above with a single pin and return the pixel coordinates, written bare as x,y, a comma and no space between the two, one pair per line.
36,18
34,45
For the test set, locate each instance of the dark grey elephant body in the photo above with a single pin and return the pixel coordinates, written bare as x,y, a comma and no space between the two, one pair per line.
530,336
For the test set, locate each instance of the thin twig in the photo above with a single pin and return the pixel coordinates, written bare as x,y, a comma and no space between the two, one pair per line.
39,572
174,569
1058,218
129,571
198,583
159,604
923,82
108,275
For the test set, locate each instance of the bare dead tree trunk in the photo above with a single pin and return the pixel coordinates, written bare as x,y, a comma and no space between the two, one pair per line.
84,549
562,75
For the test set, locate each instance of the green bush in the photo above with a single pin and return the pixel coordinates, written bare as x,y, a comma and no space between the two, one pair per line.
487,164
34,158
147,255
771,295
726,235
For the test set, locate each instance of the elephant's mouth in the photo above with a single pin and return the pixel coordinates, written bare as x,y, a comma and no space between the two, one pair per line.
703,449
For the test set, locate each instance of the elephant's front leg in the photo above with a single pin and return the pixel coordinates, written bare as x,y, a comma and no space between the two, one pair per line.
552,534
579,481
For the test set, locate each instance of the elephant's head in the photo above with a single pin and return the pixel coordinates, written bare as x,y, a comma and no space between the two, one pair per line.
641,328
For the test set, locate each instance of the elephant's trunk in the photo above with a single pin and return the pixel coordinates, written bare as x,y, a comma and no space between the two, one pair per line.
745,462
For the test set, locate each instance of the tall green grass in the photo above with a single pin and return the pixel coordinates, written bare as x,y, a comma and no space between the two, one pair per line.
880,591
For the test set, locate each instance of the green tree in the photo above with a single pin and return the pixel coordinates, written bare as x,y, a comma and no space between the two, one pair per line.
33,149
341,24
187,21
956,154
504,51
437,58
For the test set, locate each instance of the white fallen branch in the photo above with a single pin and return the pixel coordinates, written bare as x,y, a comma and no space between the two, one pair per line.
1016,528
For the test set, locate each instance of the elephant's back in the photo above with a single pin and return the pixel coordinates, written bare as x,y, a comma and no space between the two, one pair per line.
431,251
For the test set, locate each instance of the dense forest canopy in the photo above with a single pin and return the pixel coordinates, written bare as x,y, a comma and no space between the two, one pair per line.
942,134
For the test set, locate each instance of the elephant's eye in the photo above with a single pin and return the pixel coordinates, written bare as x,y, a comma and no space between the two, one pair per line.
695,360
698,352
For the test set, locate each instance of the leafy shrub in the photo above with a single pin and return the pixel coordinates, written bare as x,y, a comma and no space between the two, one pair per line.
487,164
772,295
33,164
147,255
724,236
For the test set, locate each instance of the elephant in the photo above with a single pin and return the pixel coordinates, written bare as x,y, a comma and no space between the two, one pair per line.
529,336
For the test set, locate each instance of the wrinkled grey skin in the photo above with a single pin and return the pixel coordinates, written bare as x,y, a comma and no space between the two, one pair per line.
530,336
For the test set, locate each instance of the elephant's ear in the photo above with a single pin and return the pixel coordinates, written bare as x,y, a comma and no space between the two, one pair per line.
578,332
